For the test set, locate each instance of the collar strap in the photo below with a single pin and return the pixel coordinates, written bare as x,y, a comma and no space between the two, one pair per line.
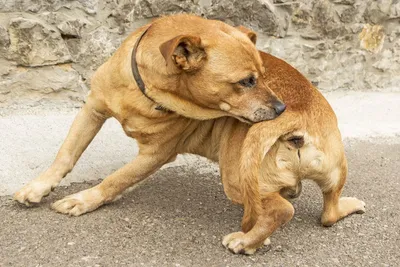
136,74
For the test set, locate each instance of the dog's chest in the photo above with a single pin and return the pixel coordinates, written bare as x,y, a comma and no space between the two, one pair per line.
134,130
130,128
152,130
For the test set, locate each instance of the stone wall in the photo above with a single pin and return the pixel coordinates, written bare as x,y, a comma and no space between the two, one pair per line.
50,48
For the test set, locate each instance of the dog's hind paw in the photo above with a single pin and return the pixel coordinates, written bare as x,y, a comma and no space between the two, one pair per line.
351,205
239,243
347,206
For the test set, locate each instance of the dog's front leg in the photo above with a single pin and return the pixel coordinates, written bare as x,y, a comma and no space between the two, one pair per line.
276,211
84,128
112,186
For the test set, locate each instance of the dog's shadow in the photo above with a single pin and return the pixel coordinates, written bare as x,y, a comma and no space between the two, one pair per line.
185,195
189,197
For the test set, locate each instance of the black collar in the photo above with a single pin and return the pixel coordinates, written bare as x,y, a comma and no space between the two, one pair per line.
136,74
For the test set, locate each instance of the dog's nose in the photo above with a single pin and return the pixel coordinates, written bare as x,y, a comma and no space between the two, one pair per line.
279,107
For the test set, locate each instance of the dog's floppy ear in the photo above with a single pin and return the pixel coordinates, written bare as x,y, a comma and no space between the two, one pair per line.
251,34
184,51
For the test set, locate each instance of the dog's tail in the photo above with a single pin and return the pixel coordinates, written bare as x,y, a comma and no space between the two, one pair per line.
260,138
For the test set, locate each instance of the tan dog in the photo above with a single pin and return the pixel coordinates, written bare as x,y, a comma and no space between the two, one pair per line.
212,70
192,67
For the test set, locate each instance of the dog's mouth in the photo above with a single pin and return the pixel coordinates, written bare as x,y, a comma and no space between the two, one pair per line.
258,116
245,120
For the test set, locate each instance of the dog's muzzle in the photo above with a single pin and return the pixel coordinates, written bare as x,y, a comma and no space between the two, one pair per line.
269,113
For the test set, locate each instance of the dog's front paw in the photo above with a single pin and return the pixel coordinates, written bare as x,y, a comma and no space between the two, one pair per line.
79,203
33,192
238,243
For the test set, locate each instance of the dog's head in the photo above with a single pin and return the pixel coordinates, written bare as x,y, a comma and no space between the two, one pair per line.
221,70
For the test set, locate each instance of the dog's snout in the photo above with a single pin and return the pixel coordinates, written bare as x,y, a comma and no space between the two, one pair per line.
279,107
270,112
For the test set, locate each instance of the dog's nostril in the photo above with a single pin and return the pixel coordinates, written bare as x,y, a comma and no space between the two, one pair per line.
279,107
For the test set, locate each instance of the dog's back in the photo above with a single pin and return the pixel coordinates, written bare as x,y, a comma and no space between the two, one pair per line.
294,89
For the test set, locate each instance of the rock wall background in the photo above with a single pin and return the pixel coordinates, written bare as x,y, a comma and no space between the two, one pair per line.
50,48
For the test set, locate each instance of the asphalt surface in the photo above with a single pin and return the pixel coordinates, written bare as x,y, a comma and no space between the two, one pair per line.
180,214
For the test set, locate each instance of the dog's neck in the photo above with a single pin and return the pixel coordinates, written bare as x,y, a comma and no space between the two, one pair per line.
136,74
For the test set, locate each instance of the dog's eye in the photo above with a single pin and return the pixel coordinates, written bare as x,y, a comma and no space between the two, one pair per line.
248,82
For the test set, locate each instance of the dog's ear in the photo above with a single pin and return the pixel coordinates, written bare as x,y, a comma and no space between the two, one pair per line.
251,34
184,51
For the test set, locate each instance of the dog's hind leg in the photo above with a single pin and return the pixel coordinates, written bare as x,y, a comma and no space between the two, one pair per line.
276,211
84,128
336,207
146,163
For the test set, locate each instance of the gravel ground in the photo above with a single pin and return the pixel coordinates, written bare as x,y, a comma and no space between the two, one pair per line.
179,215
